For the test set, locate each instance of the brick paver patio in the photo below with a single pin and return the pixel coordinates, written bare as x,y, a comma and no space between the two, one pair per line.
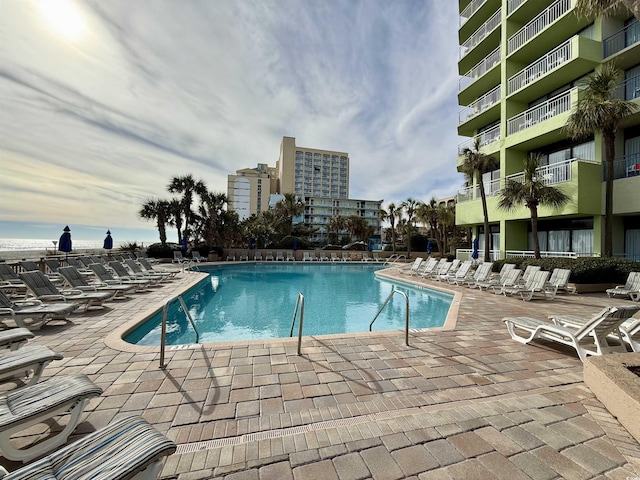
468,403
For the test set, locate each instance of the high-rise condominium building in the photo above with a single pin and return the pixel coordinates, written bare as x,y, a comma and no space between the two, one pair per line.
320,178
522,64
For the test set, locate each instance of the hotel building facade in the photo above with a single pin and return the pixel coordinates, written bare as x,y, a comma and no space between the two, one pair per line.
320,178
522,63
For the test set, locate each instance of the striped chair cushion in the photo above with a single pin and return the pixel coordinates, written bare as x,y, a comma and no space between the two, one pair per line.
116,452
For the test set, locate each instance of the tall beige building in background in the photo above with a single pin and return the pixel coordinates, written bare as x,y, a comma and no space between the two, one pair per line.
320,178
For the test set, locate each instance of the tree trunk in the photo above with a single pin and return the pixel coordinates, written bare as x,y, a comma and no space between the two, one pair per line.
534,229
485,212
393,237
609,146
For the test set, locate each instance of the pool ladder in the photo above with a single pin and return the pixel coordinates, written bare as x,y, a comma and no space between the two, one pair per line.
406,302
163,336
300,304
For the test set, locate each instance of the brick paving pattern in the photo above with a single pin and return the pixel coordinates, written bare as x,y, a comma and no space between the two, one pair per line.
460,404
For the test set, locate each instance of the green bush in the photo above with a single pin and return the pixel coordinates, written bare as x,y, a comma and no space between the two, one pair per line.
158,251
586,269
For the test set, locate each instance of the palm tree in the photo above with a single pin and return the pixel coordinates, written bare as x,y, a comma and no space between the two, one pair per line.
175,216
157,210
392,213
410,205
187,186
532,191
599,110
336,224
592,8
446,224
288,208
427,214
476,164
210,212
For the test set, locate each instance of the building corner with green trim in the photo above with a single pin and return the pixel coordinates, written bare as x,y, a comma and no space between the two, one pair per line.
522,65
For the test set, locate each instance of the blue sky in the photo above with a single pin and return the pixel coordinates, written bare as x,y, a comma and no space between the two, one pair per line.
102,103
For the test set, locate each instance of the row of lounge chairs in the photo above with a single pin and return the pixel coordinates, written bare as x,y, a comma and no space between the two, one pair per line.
306,257
128,448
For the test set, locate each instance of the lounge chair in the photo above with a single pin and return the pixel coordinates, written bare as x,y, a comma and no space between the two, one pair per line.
346,257
105,276
52,264
40,313
630,332
306,257
244,256
323,257
14,338
179,258
42,289
121,272
269,257
559,282
129,448
588,339
630,289
10,281
442,274
138,272
461,273
74,279
41,402
430,267
376,257
529,272
279,257
480,276
510,280
411,267
365,257
498,279
144,263
196,257
26,364
537,287
257,256
290,257
231,257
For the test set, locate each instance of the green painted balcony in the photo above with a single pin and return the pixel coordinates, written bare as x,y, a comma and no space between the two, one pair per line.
483,76
574,57
483,111
481,42
623,46
545,31
474,15
489,143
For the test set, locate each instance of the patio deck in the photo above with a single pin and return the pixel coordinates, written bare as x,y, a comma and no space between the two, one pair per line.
468,403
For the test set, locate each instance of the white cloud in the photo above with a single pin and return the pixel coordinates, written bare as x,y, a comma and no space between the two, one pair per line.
90,129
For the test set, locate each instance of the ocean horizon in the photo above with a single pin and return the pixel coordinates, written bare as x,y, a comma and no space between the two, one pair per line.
23,248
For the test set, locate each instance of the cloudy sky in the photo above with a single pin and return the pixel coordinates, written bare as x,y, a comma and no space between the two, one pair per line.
103,102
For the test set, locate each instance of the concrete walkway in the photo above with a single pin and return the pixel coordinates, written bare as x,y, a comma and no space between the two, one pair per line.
469,403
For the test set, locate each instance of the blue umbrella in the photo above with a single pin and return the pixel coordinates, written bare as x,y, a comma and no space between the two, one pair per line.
474,254
252,243
64,245
184,243
295,244
429,246
370,246
108,241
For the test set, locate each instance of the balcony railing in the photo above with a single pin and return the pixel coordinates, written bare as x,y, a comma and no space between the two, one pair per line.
549,109
465,254
486,137
625,167
482,67
550,174
545,254
470,10
487,100
535,26
628,89
551,60
513,4
481,33
622,39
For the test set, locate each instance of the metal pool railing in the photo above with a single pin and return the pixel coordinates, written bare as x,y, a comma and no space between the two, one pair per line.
406,301
300,304
163,336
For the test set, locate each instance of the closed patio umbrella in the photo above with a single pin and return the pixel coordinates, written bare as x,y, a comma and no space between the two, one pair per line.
474,254
64,244
108,241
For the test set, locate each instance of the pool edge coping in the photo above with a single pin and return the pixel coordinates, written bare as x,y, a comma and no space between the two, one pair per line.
115,338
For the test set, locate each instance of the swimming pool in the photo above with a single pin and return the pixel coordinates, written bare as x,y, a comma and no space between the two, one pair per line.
253,301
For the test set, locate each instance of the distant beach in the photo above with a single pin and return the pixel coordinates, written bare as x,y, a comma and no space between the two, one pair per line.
23,248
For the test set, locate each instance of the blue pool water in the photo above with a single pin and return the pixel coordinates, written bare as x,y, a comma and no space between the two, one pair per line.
256,301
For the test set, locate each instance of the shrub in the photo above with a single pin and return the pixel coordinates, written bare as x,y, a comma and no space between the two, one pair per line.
287,243
158,251
588,269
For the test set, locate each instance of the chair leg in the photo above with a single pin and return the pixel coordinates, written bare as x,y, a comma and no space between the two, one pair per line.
12,453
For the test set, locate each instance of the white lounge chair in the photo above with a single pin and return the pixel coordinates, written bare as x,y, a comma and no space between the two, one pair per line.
257,256
121,272
430,267
144,263
41,402
306,257
244,256
517,288
511,279
334,257
365,257
74,279
279,257
589,339
559,282
26,364
290,257
481,275
461,273
410,268
323,257
537,288
231,257
529,272
39,312
154,274
196,257
14,338
269,257
178,258
442,275
498,279
630,289
630,332
346,257
129,448
105,276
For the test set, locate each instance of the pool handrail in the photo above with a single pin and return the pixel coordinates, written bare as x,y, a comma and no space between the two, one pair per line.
394,259
406,301
163,336
299,302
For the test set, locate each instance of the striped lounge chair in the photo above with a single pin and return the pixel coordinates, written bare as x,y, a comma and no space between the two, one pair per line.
128,448
26,364
35,404
38,312
14,338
